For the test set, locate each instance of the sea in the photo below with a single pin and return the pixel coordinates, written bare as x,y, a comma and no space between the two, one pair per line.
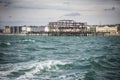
59,57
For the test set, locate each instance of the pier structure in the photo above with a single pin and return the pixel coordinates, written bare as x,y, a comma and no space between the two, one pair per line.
66,27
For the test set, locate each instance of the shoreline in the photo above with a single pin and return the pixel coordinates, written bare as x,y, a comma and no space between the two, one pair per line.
56,34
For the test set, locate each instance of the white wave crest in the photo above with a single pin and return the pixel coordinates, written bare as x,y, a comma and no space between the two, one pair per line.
27,40
72,76
5,43
39,66
8,43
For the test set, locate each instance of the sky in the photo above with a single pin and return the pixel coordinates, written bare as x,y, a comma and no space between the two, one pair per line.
41,12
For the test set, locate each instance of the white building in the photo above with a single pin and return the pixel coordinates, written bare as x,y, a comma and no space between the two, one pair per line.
47,29
106,29
28,29
111,29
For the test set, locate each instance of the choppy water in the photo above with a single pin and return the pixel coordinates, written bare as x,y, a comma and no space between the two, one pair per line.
59,58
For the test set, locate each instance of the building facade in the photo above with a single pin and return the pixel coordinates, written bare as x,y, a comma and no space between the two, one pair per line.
12,29
91,28
32,29
106,29
6,30
16,29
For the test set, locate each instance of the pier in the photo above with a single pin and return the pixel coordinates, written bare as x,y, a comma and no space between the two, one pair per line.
69,33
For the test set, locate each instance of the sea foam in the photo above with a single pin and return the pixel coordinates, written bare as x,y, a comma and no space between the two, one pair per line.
5,44
33,68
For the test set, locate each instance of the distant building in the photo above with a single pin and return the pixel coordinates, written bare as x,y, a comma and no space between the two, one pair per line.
7,29
91,28
1,30
118,28
32,29
12,29
47,29
65,26
112,29
16,29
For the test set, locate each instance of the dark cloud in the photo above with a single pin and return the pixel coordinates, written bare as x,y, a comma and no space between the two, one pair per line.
28,7
66,2
72,14
5,3
10,16
116,0
110,9
0,2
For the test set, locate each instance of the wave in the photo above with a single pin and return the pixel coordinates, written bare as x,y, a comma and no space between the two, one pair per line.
49,65
72,76
31,49
5,44
90,75
27,40
29,70
48,48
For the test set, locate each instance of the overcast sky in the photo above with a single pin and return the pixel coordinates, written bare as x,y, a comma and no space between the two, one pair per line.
40,12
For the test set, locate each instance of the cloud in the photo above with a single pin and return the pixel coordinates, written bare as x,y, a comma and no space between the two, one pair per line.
110,9
72,14
116,0
68,5
5,3
42,11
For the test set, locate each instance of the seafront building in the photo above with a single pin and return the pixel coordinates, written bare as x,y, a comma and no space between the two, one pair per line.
111,29
22,29
91,28
104,29
16,29
1,30
32,29
65,28
12,29
6,29
118,25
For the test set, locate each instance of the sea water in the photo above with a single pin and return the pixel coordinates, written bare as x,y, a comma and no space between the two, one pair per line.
59,58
